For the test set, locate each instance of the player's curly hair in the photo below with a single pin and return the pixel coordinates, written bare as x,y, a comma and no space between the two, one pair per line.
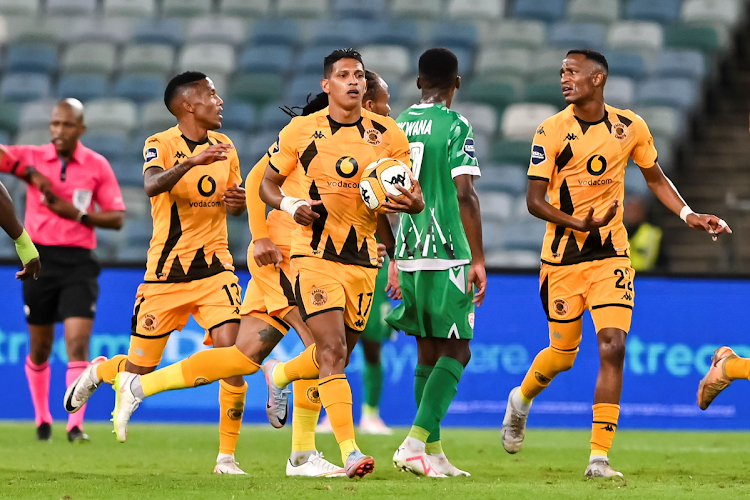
337,55
173,87
438,68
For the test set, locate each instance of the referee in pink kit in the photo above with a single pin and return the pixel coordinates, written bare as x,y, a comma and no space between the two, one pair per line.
66,180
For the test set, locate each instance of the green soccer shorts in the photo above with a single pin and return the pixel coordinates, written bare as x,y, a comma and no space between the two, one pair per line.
436,304
377,330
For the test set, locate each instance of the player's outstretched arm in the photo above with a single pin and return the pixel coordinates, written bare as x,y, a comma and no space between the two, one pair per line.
271,193
667,193
26,250
539,207
471,218
157,181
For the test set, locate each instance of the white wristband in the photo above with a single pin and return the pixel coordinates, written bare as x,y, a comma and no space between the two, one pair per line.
686,210
290,205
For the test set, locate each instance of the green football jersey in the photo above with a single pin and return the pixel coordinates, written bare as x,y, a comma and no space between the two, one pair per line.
442,147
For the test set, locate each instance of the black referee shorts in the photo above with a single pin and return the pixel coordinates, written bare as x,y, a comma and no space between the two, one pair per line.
67,287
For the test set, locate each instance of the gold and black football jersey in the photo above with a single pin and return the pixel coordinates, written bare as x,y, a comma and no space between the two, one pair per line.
330,158
584,163
190,221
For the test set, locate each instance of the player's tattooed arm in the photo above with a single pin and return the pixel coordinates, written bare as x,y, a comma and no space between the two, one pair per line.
539,207
667,193
157,181
471,218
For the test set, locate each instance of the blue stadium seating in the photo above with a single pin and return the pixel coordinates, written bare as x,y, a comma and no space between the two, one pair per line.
394,32
359,9
32,58
276,32
346,33
140,87
577,35
166,31
272,118
83,87
311,59
676,92
681,64
662,11
544,10
238,115
446,34
111,147
629,64
301,87
24,87
266,59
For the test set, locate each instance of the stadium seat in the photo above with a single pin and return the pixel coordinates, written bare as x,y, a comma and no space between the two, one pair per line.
463,35
9,116
576,35
258,145
128,173
111,115
663,121
34,137
724,12
526,236
36,30
346,33
676,92
497,91
140,87
511,151
129,8
477,10
274,119
545,90
155,117
245,8
93,29
24,87
680,63
661,11
496,206
89,58
32,58
626,64
266,59
71,7
525,34
276,32
703,38
394,32
238,138
416,9
544,10
358,9
503,62
619,92
510,179
26,8
35,114
303,9
217,29
259,88
210,58
186,8
635,183
167,31
546,63
483,117
520,121
390,61
83,87
111,146
238,115
148,58
666,153
300,88
635,35
594,11
311,60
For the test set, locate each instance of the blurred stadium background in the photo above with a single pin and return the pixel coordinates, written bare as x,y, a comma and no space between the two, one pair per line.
681,64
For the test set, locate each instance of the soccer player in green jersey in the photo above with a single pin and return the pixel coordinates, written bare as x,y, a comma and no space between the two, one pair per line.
440,259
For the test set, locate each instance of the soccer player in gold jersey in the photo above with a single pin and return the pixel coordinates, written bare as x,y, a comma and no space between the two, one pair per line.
578,161
333,248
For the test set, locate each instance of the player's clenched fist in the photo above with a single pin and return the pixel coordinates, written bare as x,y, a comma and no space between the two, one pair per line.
212,154
304,215
265,252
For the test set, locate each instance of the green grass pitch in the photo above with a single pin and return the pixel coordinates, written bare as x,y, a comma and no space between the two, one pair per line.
175,461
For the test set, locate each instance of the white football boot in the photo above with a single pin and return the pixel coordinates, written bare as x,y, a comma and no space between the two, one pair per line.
125,404
228,465
514,425
414,461
277,405
599,467
315,466
443,466
82,388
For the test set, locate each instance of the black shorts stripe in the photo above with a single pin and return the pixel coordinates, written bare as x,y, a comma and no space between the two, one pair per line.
284,324
233,320
565,320
537,178
300,302
626,306
134,334
308,316
544,295
565,350
332,378
134,321
605,423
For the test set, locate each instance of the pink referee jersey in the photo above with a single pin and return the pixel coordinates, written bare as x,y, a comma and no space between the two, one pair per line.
86,181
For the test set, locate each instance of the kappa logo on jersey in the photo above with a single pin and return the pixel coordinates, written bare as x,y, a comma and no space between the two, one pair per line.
538,154
151,154
540,131
149,322
359,323
347,167
374,137
571,137
206,186
620,130
180,155
469,147
596,165
318,297
318,135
